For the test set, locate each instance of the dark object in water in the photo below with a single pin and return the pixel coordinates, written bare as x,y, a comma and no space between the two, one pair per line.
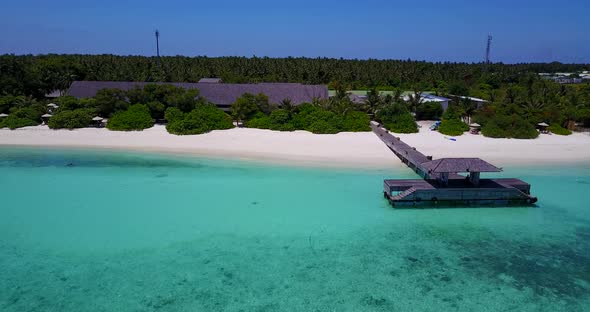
70,165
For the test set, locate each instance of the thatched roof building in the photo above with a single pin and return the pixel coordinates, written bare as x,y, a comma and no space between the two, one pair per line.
454,165
221,94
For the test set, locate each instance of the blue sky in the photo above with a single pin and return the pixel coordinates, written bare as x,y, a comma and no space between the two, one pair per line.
434,30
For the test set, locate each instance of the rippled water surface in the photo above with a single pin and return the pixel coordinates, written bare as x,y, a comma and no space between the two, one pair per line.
114,231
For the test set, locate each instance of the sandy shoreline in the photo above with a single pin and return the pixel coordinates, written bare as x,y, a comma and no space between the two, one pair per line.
354,150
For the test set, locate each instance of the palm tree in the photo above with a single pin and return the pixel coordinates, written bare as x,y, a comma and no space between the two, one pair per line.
287,105
414,100
373,101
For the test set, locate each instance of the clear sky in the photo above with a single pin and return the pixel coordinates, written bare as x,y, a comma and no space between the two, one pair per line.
434,30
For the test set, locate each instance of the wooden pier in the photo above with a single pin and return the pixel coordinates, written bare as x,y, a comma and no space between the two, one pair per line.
442,185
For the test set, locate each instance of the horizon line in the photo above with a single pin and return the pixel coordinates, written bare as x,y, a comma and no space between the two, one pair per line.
482,62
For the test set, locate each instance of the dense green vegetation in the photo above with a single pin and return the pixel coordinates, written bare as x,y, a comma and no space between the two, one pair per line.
512,126
26,114
335,115
37,74
452,127
516,95
397,118
451,123
136,117
71,119
202,119
429,111
559,130
13,122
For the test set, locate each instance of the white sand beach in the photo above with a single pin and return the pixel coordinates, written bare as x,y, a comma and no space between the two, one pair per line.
358,150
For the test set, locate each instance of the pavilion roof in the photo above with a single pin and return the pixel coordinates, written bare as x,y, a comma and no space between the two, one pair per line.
453,165
217,93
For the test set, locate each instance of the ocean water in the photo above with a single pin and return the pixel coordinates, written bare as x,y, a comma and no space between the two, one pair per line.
115,231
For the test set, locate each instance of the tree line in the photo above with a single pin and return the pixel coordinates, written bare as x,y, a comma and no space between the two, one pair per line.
517,97
183,111
38,74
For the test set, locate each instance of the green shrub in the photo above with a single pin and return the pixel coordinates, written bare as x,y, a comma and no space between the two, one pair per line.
280,120
136,117
68,103
429,111
202,119
452,127
514,126
13,122
397,118
71,119
248,105
322,127
356,121
312,118
23,117
32,112
279,116
173,114
559,130
6,102
282,127
401,124
262,122
156,109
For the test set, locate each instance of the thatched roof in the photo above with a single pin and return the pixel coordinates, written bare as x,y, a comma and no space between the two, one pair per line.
449,165
217,93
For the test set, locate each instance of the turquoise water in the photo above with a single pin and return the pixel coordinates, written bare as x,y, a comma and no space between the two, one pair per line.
114,231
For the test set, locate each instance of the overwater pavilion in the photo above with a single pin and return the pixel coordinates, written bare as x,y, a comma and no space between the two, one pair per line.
441,183
444,169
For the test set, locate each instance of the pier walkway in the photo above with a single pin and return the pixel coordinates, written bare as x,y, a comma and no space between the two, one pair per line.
408,155
441,182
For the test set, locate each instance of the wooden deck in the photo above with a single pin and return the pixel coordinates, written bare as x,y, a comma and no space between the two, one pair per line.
457,191
409,155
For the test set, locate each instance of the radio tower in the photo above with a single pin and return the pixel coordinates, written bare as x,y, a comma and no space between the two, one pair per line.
158,46
488,48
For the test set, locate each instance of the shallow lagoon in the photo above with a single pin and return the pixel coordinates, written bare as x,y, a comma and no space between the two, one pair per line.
114,231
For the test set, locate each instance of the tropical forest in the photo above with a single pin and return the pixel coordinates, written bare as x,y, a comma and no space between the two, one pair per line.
516,97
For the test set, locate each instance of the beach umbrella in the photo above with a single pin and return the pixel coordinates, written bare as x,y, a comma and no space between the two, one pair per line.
53,105
475,125
97,118
46,116
542,124
3,115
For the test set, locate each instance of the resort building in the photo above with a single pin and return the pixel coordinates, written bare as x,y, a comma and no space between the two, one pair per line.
480,102
360,96
221,94
427,98
566,78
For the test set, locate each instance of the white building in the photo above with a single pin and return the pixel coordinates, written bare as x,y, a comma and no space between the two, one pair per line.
426,97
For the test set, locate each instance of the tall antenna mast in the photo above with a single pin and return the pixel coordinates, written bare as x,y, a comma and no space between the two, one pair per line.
488,49
158,46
